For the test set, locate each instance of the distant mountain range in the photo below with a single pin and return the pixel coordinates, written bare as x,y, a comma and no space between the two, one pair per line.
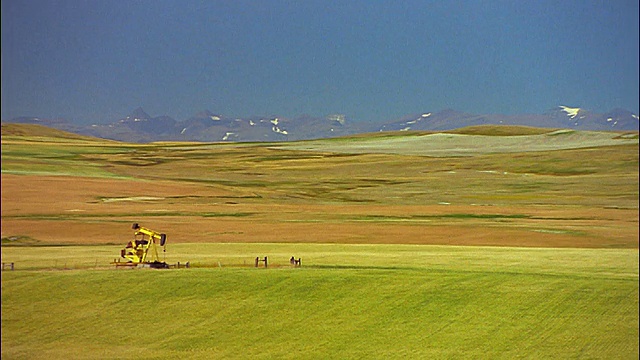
206,126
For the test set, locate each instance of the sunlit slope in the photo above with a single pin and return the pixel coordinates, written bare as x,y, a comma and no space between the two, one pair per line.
35,149
469,142
35,132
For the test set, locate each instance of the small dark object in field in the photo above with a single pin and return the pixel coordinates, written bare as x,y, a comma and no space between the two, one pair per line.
158,265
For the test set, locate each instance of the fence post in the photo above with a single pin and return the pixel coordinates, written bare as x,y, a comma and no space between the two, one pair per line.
258,261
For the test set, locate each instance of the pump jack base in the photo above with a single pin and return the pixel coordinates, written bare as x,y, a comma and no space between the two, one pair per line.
158,265
152,265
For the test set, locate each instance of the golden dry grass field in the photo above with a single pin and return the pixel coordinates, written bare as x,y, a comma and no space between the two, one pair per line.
522,187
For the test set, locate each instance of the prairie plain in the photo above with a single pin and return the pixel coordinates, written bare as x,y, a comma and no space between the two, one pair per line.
491,234
58,190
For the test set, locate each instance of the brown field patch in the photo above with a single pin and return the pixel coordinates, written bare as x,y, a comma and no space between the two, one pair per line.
24,195
194,230
67,210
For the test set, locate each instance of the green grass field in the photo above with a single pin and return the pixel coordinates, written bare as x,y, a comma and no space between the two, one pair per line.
345,302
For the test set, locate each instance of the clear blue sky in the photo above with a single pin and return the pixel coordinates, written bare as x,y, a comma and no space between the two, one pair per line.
97,60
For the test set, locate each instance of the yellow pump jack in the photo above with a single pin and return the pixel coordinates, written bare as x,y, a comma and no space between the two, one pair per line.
137,250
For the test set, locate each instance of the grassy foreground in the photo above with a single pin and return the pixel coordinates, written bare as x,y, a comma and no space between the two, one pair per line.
345,302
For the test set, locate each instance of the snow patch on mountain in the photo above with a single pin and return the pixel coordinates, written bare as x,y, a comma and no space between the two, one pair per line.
571,112
339,118
277,130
